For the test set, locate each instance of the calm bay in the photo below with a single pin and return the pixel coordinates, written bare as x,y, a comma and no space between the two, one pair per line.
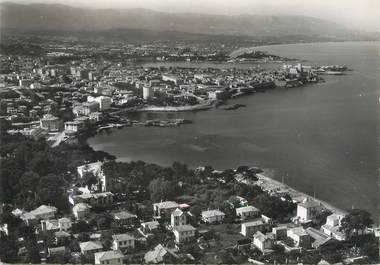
322,138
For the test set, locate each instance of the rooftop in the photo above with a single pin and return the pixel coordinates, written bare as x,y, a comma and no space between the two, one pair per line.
108,255
247,209
211,213
156,255
122,237
184,228
124,215
300,231
90,245
81,206
253,223
43,209
166,205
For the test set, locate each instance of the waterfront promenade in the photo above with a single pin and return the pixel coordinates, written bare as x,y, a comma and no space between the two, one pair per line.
273,186
270,184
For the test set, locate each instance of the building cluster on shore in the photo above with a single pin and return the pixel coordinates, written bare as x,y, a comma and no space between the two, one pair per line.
55,96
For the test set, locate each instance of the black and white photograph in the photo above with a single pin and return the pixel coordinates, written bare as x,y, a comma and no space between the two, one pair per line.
190,132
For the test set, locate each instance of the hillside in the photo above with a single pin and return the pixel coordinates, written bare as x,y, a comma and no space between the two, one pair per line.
65,18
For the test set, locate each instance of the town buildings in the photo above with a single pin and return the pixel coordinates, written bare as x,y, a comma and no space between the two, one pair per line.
160,254
123,242
178,218
109,257
250,228
307,210
89,248
247,212
147,92
212,216
81,210
332,227
51,123
184,233
44,212
300,237
164,209
262,242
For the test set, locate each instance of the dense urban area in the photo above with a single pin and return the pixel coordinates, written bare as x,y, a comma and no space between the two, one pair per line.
63,202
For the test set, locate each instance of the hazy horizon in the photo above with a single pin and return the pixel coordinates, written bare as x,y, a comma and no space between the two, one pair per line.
364,15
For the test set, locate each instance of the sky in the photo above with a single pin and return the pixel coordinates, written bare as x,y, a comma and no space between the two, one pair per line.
360,14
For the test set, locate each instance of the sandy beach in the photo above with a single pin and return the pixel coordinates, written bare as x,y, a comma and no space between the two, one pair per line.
269,184
273,186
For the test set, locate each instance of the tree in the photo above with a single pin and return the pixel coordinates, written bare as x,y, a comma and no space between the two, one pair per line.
356,220
89,179
40,164
371,249
321,217
196,210
273,206
180,170
8,249
27,186
226,257
103,221
162,189
242,169
51,191
8,218
332,256
33,253
229,212
80,227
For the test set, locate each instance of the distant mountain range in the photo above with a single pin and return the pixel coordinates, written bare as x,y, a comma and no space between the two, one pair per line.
57,17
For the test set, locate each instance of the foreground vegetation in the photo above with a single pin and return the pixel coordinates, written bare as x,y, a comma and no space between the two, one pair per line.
33,173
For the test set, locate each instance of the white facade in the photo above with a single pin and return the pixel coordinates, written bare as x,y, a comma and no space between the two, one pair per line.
64,224
334,220
171,78
183,233
213,216
74,126
178,218
250,228
147,92
95,169
300,237
50,123
307,210
81,210
164,208
149,227
90,247
247,212
122,242
332,227
104,102
262,242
